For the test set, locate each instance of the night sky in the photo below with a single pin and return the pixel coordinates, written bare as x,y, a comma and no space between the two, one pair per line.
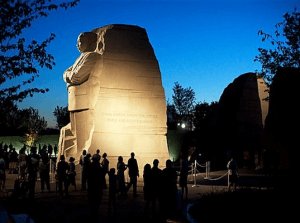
202,44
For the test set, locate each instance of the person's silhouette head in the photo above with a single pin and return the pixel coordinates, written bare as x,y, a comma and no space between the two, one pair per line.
112,171
155,162
62,157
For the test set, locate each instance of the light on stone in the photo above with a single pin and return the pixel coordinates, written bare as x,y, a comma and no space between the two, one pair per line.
120,105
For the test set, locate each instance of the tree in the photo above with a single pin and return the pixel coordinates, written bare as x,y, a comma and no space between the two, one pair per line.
20,60
33,124
184,102
62,116
204,115
286,47
205,127
9,118
200,116
171,116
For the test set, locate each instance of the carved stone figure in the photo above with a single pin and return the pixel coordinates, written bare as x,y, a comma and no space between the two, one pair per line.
116,99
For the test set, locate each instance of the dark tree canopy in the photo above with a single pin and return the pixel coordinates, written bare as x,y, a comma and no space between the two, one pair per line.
183,99
184,102
31,121
16,121
62,116
203,115
285,51
21,61
21,58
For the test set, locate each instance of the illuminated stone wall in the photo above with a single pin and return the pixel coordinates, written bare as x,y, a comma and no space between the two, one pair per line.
121,108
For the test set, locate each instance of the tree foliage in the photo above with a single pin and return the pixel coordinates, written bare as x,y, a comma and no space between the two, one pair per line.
184,102
203,115
285,42
62,116
32,121
9,117
16,121
19,58
171,116
21,61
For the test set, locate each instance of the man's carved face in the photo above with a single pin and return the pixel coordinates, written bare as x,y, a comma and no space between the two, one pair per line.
86,42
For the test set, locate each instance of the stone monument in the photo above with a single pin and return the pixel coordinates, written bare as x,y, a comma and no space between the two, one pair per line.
241,119
116,98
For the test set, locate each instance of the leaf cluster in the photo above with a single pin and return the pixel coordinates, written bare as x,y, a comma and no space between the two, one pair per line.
62,115
285,46
20,60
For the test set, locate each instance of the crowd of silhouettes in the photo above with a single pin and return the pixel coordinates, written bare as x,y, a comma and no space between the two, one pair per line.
28,164
159,185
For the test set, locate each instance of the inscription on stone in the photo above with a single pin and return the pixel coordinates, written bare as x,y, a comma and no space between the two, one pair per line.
116,98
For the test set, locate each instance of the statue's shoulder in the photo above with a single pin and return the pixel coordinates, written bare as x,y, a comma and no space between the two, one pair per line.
89,56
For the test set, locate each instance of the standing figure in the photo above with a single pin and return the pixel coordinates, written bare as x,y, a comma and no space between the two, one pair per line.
72,173
184,168
97,155
82,174
169,195
85,168
2,172
156,186
112,191
32,169
44,168
61,170
105,166
133,173
55,150
22,162
147,186
95,187
232,174
121,167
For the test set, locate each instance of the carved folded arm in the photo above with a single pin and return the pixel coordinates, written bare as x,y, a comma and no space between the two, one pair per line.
67,74
80,71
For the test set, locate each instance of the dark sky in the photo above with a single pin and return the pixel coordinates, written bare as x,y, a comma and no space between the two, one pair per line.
202,44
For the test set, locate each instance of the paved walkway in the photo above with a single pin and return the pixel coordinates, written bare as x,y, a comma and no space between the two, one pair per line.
49,207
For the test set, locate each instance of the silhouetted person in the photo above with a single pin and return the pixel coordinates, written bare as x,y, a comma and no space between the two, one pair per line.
121,167
95,186
32,169
105,166
72,173
61,171
184,168
84,162
44,169
112,191
2,172
133,173
156,185
50,150
147,186
169,183
55,149
22,162
232,174
97,155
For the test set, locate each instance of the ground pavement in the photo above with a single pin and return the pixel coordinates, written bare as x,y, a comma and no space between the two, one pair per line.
48,207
